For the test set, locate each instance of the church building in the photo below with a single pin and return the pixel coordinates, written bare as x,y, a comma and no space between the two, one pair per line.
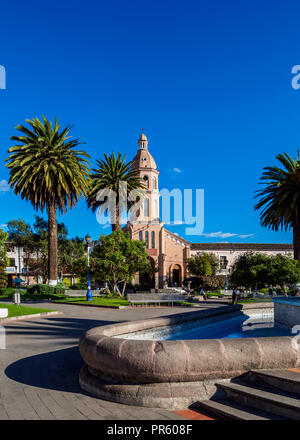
168,252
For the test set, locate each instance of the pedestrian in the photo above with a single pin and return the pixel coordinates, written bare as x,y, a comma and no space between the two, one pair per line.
271,291
235,295
202,293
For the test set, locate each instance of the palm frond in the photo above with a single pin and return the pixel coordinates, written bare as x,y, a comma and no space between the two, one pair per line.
44,167
280,198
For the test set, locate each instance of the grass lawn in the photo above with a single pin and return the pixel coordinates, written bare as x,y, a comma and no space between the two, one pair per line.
254,300
107,301
208,294
35,296
15,310
99,301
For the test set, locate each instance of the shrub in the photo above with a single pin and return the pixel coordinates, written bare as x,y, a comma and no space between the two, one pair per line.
3,276
42,289
41,296
8,291
195,292
60,289
195,282
112,294
30,288
214,282
264,290
79,286
141,288
30,293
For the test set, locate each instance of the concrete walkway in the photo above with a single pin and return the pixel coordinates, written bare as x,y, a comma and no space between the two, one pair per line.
40,365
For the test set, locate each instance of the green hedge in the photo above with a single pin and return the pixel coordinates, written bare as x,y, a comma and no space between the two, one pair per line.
36,292
8,291
79,286
44,289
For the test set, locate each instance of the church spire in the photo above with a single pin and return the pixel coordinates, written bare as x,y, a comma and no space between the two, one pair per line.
143,141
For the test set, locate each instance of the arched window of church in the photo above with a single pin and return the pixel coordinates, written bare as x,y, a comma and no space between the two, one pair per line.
146,207
146,181
153,239
147,239
154,183
141,235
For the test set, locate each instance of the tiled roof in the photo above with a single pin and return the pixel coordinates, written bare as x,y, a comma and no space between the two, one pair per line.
177,237
242,246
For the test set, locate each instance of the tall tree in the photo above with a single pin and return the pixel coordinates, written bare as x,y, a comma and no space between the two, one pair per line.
70,251
251,270
47,171
205,264
259,270
40,227
280,199
283,270
118,258
110,174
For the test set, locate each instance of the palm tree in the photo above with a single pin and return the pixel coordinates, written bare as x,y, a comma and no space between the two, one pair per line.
46,170
280,199
112,172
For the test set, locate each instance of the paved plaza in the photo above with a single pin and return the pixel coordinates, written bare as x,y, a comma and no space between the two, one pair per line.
40,366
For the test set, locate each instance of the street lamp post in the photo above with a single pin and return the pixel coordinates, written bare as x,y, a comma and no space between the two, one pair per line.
226,267
89,295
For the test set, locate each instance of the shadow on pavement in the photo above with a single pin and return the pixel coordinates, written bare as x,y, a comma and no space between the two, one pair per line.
56,370
55,327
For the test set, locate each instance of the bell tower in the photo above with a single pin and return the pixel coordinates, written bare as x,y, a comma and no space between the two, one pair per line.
144,163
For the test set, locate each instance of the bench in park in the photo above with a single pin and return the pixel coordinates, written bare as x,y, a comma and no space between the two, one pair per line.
154,298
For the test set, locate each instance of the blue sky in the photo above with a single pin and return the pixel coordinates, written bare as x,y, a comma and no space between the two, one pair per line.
209,81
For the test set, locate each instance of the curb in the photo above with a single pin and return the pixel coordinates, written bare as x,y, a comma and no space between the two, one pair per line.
35,315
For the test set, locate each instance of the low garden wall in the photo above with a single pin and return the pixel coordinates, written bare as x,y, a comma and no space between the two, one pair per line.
71,292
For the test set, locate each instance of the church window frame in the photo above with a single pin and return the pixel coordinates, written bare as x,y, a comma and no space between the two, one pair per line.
147,239
146,179
146,207
152,239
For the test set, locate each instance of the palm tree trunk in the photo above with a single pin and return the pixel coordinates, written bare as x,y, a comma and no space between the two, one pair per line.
117,225
52,245
296,240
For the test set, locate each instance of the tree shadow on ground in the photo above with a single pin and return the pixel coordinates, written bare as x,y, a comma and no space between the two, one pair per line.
56,370
59,327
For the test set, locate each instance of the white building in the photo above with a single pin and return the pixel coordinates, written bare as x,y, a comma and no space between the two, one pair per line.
228,253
